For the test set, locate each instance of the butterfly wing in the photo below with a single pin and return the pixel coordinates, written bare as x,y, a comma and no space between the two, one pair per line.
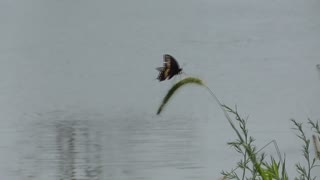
172,65
160,69
171,61
169,69
163,73
162,76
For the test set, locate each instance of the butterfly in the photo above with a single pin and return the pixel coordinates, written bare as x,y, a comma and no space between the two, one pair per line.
169,69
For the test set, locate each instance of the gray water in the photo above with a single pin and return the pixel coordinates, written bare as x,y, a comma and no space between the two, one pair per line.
76,147
78,88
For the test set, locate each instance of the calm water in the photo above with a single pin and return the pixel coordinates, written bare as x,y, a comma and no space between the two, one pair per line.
109,149
78,92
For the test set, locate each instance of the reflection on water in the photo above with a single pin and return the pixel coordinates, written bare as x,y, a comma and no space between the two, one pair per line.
140,148
78,151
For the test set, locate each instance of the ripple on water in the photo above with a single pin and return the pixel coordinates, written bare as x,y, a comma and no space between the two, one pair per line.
102,148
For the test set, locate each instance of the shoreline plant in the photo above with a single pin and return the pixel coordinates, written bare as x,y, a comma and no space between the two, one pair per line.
253,165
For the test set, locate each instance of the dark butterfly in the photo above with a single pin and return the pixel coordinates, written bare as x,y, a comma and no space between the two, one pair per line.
169,69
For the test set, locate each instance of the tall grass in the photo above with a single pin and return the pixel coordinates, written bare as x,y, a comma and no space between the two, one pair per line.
305,172
252,165
315,138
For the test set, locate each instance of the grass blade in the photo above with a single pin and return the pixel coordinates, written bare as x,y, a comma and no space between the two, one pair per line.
175,87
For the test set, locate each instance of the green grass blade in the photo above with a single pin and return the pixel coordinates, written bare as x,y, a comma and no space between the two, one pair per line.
192,80
175,87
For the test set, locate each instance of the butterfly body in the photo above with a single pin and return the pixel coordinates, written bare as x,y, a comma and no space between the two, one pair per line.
170,68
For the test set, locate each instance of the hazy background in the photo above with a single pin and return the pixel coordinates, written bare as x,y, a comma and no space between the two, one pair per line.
78,88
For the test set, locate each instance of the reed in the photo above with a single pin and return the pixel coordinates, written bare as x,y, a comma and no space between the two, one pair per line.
253,165
244,143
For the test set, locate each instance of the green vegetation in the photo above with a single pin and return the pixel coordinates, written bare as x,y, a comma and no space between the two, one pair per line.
254,164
